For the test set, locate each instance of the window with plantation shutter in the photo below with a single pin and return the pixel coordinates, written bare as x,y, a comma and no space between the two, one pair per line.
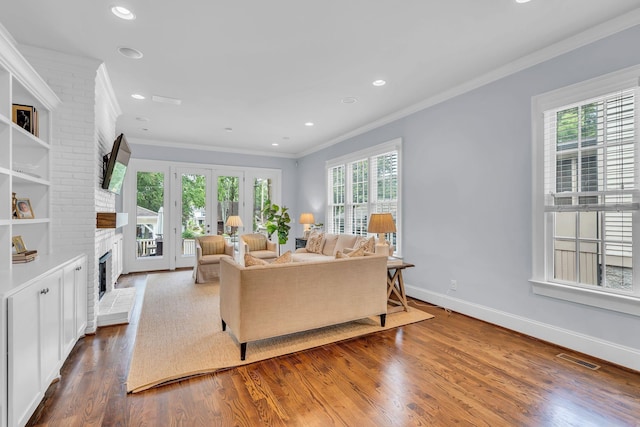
588,200
363,183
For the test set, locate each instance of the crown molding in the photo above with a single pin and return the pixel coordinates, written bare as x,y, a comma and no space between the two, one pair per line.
584,38
13,61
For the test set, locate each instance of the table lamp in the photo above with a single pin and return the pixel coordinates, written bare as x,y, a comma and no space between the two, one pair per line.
381,223
306,219
234,222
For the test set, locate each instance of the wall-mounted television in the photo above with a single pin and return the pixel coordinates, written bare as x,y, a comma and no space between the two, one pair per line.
115,165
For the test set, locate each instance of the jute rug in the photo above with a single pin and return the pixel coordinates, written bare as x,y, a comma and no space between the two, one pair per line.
180,334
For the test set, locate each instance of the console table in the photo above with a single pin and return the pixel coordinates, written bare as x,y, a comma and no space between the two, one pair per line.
396,296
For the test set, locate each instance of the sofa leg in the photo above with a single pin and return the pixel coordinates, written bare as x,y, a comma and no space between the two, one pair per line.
383,319
224,326
243,350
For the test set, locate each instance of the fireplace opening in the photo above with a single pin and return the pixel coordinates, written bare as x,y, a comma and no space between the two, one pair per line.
104,272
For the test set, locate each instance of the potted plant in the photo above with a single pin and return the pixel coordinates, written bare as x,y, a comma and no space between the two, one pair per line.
277,220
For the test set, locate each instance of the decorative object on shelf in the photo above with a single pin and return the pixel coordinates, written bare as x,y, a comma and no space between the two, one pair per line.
381,223
26,116
18,244
306,219
277,220
23,257
23,208
13,205
234,222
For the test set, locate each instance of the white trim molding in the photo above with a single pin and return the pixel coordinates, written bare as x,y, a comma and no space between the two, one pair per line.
586,344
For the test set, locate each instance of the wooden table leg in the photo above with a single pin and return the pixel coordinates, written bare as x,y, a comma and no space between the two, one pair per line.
395,286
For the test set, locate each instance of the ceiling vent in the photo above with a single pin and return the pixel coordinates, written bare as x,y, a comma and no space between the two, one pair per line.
166,100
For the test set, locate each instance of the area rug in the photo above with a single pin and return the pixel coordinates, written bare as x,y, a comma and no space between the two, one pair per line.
180,334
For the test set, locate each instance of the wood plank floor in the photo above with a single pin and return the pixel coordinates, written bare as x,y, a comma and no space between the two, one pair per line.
450,370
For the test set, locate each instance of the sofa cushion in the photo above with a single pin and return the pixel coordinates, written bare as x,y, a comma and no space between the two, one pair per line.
255,242
329,246
211,245
314,243
344,241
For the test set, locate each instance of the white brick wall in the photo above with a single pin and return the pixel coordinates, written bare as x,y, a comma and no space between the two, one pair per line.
83,130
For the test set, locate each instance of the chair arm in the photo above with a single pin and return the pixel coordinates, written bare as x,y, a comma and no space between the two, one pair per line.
198,251
228,249
272,246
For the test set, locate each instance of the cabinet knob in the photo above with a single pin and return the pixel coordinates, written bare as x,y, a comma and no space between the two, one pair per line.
44,291
78,268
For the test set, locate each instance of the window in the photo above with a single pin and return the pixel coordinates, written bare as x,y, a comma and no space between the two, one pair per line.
586,199
363,183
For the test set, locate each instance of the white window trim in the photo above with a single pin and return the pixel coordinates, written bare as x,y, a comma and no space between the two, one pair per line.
624,303
385,147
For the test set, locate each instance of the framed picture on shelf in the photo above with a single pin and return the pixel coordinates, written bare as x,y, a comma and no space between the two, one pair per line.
23,116
18,244
23,209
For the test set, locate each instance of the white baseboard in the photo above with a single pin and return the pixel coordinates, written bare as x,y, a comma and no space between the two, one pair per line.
601,349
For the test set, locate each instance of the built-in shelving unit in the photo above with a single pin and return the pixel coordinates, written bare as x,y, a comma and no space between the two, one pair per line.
25,162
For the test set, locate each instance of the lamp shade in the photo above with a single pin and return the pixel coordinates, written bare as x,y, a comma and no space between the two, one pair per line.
234,221
306,218
381,223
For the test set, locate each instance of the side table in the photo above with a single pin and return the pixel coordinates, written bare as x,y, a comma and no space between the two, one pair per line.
300,242
396,296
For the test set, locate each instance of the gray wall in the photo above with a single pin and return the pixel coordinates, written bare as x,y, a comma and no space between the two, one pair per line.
467,200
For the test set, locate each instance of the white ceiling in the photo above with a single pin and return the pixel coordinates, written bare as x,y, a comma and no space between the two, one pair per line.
265,68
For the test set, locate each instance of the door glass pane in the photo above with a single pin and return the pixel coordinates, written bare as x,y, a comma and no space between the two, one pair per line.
261,194
149,215
228,197
194,214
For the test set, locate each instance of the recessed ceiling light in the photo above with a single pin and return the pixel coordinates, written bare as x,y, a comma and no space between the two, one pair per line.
275,144
130,52
229,129
145,129
137,96
523,1
309,124
142,119
123,13
379,82
349,100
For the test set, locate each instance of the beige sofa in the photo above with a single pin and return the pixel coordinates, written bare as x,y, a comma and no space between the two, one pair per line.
267,301
331,244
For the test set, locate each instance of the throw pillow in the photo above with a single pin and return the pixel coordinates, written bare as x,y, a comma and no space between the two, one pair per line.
212,246
314,243
369,245
250,261
285,258
352,254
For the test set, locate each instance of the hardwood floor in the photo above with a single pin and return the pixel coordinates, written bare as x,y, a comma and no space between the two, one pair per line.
448,370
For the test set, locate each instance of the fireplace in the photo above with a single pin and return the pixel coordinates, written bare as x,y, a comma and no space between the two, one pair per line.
104,273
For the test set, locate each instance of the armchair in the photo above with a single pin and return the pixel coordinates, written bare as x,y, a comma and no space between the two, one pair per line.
259,246
209,250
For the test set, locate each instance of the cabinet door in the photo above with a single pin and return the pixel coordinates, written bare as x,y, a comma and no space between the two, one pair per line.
68,309
81,297
50,327
24,391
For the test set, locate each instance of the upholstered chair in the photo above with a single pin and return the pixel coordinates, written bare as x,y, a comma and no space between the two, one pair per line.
209,250
259,246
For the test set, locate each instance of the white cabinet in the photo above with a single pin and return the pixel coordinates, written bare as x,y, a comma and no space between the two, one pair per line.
46,313
74,304
34,346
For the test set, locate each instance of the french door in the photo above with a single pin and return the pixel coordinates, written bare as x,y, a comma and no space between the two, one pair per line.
206,199
170,204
